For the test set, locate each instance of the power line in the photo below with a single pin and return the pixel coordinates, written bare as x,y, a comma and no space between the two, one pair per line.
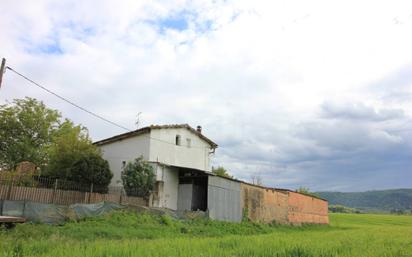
85,110
68,101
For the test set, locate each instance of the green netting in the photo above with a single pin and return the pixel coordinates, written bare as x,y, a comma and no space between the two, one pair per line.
55,214
13,208
45,213
90,210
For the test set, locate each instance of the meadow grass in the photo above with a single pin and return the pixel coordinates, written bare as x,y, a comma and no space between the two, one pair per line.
140,234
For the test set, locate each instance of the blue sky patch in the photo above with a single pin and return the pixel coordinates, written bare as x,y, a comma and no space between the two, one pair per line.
80,31
49,47
179,23
53,48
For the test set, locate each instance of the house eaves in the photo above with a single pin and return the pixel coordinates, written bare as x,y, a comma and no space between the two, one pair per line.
149,128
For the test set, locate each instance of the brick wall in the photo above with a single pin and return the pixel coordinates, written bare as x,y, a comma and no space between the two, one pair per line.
264,205
282,206
307,209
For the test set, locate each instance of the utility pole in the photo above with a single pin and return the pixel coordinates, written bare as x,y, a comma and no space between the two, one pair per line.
3,66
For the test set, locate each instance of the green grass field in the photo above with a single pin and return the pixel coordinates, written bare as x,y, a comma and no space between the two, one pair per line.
129,234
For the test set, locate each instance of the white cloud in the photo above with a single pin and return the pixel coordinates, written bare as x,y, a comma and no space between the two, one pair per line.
257,75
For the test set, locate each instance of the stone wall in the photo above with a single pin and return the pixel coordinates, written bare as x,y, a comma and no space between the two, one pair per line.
269,205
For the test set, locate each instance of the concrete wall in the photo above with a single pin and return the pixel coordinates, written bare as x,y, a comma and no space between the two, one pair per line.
281,206
223,199
167,187
124,151
163,149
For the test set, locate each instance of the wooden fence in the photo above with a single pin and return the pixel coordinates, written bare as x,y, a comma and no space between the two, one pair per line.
9,190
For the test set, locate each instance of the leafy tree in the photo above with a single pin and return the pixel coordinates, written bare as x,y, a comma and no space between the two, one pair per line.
221,171
92,169
26,126
29,131
336,208
306,191
138,178
70,144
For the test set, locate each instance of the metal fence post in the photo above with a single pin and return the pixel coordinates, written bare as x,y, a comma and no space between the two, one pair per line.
91,191
54,191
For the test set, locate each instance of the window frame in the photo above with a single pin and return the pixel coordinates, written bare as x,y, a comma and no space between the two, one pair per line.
178,140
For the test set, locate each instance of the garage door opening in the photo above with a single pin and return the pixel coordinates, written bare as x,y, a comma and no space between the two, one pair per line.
192,195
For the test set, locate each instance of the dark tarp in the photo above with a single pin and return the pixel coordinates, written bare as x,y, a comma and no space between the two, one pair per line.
55,214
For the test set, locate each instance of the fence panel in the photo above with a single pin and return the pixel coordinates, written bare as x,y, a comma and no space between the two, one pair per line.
3,191
45,190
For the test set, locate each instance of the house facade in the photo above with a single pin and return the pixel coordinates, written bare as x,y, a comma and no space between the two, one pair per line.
173,150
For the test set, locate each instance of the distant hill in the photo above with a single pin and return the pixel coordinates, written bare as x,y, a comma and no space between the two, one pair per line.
382,200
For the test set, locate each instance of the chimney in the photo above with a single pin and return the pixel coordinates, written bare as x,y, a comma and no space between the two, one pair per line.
199,129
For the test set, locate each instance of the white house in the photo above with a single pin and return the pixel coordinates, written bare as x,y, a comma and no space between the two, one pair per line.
177,152
181,155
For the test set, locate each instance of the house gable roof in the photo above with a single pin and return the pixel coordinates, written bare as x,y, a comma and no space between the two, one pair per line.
149,128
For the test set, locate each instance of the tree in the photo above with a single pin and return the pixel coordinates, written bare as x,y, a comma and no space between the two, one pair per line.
92,169
29,131
257,180
220,171
138,178
69,144
306,191
26,126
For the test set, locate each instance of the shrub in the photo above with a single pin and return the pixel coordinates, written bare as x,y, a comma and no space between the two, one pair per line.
92,169
138,178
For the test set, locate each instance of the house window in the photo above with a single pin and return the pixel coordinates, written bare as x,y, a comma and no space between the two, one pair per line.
188,142
178,140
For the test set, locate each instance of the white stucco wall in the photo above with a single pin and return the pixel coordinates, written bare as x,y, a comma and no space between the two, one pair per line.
124,150
159,147
163,149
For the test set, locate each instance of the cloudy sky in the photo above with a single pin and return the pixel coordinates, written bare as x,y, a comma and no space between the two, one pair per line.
301,93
